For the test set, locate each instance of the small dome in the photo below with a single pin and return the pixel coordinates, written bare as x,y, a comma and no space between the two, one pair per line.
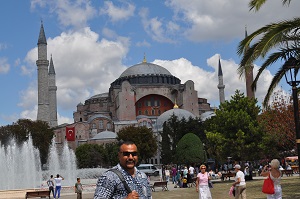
104,135
145,68
180,113
207,115
102,95
80,104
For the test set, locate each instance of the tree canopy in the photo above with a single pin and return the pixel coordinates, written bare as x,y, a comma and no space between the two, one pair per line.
190,150
234,131
274,42
21,130
173,130
143,138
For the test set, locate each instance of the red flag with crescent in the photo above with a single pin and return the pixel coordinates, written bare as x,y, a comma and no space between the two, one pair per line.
70,133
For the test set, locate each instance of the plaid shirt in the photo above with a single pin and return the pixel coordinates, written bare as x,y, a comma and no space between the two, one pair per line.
109,185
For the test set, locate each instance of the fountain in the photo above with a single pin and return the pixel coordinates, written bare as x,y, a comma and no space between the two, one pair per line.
20,167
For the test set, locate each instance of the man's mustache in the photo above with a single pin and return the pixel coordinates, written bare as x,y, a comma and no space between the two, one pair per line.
130,161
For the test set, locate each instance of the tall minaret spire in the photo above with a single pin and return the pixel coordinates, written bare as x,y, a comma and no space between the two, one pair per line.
52,95
221,86
249,76
42,68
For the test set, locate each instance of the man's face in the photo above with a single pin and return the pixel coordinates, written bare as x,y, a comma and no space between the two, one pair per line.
128,156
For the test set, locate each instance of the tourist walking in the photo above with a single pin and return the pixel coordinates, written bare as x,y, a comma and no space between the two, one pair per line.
57,180
174,171
51,184
78,189
239,184
202,183
167,173
124,180
275,174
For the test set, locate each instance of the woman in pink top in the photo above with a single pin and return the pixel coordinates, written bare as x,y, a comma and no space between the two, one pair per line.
202,184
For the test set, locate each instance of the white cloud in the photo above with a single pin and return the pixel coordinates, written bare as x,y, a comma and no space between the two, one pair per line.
70,13
4,65
122,13
225,19
84,64
206,81
154,27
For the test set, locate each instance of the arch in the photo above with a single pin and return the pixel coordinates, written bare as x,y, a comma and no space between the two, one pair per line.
153,105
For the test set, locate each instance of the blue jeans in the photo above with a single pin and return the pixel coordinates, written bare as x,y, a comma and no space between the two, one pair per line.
174,179
57,191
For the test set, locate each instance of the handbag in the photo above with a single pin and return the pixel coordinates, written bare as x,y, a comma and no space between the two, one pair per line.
268,186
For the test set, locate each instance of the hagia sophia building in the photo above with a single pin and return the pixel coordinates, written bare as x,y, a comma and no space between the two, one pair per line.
145,94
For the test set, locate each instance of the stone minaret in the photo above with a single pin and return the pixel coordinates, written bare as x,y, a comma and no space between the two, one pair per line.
42,69
221,86
52,95
249,77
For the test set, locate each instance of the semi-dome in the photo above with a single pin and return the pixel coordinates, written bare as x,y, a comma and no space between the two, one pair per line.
104,135
145,68
180,113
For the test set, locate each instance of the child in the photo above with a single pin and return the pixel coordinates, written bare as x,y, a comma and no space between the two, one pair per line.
78,189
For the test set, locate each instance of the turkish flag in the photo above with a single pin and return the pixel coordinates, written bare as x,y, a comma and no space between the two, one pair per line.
70,133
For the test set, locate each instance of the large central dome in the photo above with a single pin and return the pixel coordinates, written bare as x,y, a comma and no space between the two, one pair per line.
145,68
146,73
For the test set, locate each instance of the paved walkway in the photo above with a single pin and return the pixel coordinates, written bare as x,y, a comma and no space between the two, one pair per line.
68,192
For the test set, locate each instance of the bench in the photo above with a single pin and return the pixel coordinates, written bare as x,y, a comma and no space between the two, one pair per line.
227,175
163,185
38,193
287,172
193,183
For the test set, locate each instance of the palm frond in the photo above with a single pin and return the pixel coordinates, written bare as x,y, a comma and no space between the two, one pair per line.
256,4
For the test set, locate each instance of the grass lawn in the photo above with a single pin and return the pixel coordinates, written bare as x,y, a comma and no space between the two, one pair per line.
290,188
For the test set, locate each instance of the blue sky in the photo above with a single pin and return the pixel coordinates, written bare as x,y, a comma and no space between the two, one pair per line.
93,42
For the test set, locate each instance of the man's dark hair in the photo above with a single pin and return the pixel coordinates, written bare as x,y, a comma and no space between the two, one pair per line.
51,176
126,142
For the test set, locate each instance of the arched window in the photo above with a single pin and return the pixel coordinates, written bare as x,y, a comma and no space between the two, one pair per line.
101,124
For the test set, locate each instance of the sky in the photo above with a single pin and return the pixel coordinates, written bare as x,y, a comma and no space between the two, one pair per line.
93,42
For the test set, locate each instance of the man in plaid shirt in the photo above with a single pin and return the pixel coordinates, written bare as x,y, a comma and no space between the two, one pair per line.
110,186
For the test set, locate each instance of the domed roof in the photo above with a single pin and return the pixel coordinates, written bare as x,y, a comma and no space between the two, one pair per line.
102,95
207,115
145,68
105,135
180,113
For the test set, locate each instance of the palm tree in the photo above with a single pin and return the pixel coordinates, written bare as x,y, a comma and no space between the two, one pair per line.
256,4
281,38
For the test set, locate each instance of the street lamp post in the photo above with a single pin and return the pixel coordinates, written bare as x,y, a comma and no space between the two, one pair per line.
291,68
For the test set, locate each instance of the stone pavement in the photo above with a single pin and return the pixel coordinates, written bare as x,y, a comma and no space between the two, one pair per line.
68,192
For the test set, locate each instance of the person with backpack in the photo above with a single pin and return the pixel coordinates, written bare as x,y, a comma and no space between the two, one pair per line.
124,180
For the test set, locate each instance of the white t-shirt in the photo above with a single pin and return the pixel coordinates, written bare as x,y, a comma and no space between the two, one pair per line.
58,181
240,175
191,169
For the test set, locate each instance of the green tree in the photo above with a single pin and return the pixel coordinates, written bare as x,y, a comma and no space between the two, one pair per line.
143,138
274,42
235,131
90,156
21,130
111,154
278,122
190,150
173,130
